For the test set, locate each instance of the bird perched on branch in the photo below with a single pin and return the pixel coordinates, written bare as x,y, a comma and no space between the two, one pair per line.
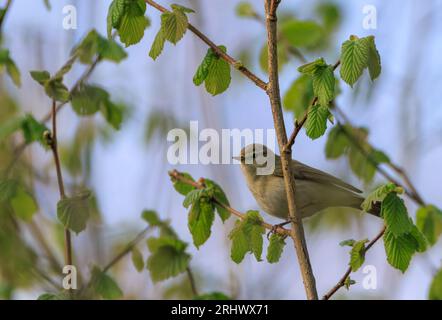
315,189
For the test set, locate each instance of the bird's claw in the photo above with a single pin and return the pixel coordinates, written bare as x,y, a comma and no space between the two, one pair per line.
275,227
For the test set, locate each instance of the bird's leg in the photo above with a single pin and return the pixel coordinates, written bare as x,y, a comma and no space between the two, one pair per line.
276,226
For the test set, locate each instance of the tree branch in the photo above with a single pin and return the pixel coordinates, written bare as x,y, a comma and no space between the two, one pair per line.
192,281
3,15
229,59
347,273
297,230
200,185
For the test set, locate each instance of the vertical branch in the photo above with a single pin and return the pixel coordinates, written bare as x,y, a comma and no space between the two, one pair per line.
192,281
54,148
297,230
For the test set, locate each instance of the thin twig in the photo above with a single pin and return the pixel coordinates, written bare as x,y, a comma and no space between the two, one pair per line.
54,147
235,63
3,15
347,273
297,230
192,281
200,185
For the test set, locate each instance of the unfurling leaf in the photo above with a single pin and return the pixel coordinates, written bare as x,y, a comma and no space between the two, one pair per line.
379,195
275,248
357,255
182,187
203,69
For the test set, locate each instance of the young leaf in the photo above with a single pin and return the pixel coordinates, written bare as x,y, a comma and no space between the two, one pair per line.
194,196
357,255
132,22
94,44
429,222
203,69
174,25
115,12
181,8
23,204
275,248
337,143
348,282
348,242
11,67
245,9
316,121
87,99
151,217
379,194
218,78
240,243
113,113
374,59
399,249
181,187
105,286
220,196
302,33
168,258
395,214
354,59
33,130
324,84
40,76
157,45
56,90
201,217
73,212
435,292
137,259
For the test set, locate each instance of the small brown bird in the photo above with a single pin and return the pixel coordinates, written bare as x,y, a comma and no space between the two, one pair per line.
315,189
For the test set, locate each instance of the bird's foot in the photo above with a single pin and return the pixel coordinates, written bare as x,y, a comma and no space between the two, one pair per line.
276,226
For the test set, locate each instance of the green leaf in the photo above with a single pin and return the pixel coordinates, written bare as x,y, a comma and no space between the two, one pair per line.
23,204
151,217
73,212
194,196
299,96
115,12
11,67
33,130
357,255
429,222
282,54
246,237
218,78
87,99
399,249
337,143
9,127
8,189
203,69
276,246
157,45
181,187
56,90
302,33
201,217
395,214
360,165
213,296
174,25
168,258
219,195
354,59
316,123
311,67
113,113
435,292
137,259
245,9
40,76
324,84
374,59
94,44
132,22
110,50
379,195
177,7
421,241
348,282
105,286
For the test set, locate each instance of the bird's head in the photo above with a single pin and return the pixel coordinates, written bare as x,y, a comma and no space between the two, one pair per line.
257,156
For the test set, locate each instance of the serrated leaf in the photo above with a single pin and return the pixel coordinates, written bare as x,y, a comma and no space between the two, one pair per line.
311,67
174,25
168,258
203,69
348,242
357,255
354,59
240,244
429,222
181,8
435,292
374,59
201,217
137,259
157,45
395,214
193,196
219,195
379,195
181,187
420,239
399,249
74,212
218,78
115,12
105,286
56,90
299,96
133,22
337,143
275,248
324,84
316,123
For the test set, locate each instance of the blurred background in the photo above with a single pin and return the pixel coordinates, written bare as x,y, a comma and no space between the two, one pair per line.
127,169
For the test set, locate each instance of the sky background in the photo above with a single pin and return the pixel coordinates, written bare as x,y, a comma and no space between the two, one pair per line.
402,112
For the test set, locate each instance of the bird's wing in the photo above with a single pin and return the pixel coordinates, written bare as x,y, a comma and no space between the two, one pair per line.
302,171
